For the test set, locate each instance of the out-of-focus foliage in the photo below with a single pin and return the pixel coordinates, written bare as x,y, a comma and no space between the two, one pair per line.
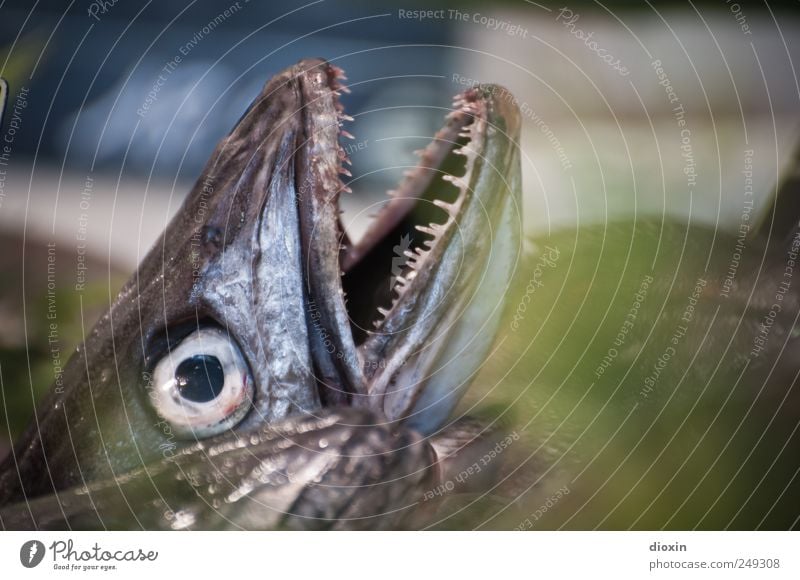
629,380
43,321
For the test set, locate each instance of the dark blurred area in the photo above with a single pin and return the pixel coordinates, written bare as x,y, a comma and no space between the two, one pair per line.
159,83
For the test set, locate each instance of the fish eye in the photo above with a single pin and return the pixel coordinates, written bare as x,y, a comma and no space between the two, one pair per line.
202,386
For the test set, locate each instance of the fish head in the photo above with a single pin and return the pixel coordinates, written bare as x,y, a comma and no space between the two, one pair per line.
254,307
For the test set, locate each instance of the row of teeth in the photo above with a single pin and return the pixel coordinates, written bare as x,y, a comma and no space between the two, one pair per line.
337,76
417,257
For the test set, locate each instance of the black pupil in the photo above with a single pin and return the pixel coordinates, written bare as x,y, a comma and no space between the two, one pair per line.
200,378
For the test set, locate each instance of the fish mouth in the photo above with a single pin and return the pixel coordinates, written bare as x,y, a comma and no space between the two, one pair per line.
257,260
401,319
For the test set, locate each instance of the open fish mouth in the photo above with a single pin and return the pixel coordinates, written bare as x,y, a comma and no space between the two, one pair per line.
406,314
257,340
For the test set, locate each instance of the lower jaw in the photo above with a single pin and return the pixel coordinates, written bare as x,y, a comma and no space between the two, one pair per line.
469,340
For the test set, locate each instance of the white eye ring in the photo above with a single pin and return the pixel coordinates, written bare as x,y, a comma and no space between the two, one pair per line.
202,387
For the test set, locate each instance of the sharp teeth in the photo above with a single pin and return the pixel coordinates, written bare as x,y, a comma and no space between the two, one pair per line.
343,156
344,171
457,181
448,207
345,189
418,260
346,134
344,117
430,230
